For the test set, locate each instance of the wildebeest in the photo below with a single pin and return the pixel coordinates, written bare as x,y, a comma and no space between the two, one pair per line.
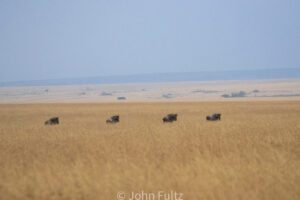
214,117
113,119
170,118
52,121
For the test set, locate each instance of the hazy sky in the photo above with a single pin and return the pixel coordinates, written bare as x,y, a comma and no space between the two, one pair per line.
62,39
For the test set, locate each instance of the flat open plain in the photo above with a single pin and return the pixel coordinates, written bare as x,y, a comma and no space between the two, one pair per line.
156,92
252,153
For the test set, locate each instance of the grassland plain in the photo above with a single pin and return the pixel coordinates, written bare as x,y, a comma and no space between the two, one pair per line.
252,153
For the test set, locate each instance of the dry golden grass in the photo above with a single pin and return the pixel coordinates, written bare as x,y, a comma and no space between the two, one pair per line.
253,153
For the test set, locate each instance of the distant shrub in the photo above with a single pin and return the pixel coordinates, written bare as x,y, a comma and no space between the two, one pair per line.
235,94
226,96
238,94
121,98
167,96
106,94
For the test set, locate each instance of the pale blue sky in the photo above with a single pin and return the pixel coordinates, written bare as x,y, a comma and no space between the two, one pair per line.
64,39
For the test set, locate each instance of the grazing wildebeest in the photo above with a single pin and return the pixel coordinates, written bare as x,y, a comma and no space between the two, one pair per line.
113,119
214,117
52,121
170,118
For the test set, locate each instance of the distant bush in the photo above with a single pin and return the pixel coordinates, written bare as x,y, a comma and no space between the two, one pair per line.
226,96
235,94
121,98
167,96
238,94
106,94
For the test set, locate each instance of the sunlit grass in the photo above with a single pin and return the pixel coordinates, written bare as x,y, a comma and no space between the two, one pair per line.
252,153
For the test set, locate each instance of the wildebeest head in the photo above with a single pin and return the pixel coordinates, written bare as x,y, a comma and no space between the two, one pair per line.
52,121
113,119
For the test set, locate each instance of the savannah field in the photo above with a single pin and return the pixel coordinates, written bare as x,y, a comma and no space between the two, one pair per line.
252,153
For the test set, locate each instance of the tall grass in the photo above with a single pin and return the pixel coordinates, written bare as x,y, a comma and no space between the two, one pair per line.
252,153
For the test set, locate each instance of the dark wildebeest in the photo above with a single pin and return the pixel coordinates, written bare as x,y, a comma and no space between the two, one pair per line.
52,121
214,117
170,118
113,119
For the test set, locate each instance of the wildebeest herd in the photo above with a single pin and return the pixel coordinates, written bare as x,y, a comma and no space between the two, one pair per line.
116,119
